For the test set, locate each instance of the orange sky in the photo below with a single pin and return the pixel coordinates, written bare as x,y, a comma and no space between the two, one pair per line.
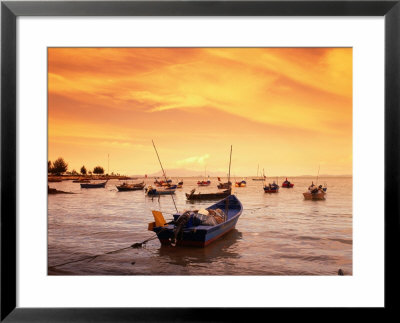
286,109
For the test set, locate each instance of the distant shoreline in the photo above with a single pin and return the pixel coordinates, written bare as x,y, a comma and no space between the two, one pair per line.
135,177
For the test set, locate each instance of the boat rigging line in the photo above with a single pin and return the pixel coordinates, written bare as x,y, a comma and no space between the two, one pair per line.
165,176
90,258
229,179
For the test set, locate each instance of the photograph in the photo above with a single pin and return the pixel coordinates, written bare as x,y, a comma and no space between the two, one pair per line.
199,161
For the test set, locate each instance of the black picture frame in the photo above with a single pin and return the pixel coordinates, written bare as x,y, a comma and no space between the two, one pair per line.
11,10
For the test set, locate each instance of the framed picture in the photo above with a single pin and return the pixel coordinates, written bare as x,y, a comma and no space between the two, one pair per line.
179,117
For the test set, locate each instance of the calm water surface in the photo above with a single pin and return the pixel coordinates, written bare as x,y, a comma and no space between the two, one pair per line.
277,234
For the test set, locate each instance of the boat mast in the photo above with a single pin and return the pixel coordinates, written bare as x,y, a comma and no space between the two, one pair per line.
230,159
316,183
230,188
258,166
165,176
264,177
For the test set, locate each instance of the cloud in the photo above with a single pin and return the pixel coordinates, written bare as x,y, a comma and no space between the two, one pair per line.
193,160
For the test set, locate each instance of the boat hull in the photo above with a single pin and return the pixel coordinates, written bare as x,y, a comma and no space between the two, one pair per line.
198,238
126,189
287,185
157,193
100,185
224,186
317,196
208,196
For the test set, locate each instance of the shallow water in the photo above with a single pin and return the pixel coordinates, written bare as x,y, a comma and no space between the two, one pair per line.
277,234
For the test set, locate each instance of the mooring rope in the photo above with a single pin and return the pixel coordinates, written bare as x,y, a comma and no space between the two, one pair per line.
90,258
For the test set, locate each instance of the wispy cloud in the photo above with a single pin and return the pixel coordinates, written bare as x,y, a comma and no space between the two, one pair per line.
197,100
193,160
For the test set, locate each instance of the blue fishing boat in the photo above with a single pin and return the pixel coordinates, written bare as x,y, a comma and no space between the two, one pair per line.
187,230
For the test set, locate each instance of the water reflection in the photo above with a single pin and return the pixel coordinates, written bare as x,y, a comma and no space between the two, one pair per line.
215,252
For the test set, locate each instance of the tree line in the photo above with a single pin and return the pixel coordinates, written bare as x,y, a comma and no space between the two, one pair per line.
59,167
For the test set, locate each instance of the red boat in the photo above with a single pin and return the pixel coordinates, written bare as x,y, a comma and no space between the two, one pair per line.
287,184
271,188
204,183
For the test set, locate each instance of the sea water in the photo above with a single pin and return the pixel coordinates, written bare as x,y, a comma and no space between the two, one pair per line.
277,233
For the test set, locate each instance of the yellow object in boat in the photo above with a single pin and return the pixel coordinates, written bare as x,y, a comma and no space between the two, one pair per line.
151,226
158,216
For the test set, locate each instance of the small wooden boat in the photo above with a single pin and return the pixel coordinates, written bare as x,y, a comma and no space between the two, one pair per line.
200,235
224,186
150,191
94,185
287,184
271,188
240,184
204,183
315,192
124,187
207,196
319,195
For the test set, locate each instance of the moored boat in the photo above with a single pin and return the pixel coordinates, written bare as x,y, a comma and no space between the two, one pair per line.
207,196
257,178
287,184
204,183
150,191
130,187
188,230
315,193
271,188
240,184
320,195
94,185
225,186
